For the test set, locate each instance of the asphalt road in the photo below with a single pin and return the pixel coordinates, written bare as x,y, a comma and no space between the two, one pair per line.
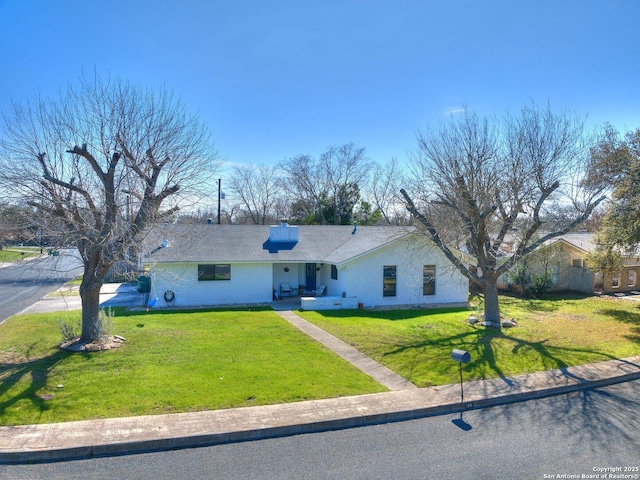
25,282
572,435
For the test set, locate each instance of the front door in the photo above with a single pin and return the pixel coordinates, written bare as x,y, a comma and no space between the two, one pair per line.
310,283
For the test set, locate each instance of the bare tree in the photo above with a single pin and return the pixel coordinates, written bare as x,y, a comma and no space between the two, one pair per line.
258,189
16,225
304,184
385,187
346,168
107,160
493,177
327,190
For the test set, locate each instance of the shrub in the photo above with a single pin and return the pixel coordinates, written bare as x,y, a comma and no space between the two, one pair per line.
106,322
70,331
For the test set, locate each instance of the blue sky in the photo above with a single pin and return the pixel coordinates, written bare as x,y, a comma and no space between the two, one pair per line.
274,79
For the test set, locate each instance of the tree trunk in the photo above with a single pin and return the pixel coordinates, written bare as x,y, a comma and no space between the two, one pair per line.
491,304
90,294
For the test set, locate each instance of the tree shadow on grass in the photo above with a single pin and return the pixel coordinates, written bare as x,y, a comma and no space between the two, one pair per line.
624,316
36,372
481,344
630,318
543,303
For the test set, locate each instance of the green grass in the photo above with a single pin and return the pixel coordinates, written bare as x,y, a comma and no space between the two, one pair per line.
199,360
170,362
556,332
16,253
75,282
69,289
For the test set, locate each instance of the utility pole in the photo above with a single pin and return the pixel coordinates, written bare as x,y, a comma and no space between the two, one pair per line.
219,195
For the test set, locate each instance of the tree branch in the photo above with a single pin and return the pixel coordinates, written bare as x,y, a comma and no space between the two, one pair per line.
84,153
524,249
433,235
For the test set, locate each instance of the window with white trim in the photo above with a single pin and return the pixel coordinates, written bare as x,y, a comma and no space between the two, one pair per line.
334,272
389,281
429,280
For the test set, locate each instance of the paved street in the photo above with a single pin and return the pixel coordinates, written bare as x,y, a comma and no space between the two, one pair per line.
570,434
25,282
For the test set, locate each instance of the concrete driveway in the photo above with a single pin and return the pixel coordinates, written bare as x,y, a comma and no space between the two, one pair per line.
68,298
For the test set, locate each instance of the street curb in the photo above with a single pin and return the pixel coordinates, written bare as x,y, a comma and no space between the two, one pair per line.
552,391
355,420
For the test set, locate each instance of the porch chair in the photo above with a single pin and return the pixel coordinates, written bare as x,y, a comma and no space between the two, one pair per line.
285,290
321,291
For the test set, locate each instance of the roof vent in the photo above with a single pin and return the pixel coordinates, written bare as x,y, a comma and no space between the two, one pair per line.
355,227
164,244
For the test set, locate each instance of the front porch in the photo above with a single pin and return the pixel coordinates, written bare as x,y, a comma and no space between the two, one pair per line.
297,279
314,303
285,304
328,303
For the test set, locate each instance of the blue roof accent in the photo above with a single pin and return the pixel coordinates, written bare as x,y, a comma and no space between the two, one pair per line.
275,247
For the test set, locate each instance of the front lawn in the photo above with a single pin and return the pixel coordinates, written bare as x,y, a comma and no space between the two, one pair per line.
186,361
555,332
170,362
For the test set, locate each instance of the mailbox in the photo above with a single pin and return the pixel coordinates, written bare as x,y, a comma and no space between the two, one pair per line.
461,356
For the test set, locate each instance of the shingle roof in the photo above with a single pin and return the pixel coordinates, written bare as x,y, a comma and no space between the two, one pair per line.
249,243
583,241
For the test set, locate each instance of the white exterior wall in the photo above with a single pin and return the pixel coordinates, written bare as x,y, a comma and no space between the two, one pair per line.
250,283
363,277
288,273
336,287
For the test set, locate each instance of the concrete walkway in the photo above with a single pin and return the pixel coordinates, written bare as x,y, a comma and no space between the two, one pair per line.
85,439
378,372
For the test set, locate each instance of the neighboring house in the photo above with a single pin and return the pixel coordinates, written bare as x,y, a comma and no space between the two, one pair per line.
563,262
624,280
208,264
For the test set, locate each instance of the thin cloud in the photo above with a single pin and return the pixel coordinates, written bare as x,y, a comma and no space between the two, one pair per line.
454,111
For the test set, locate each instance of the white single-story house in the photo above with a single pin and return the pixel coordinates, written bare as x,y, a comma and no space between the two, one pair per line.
340,266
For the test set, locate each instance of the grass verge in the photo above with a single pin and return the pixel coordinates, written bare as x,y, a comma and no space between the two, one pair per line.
555,332
16,254
171,362
69,289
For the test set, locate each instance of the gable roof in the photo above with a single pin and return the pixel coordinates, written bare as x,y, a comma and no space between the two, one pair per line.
582,241
333,244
